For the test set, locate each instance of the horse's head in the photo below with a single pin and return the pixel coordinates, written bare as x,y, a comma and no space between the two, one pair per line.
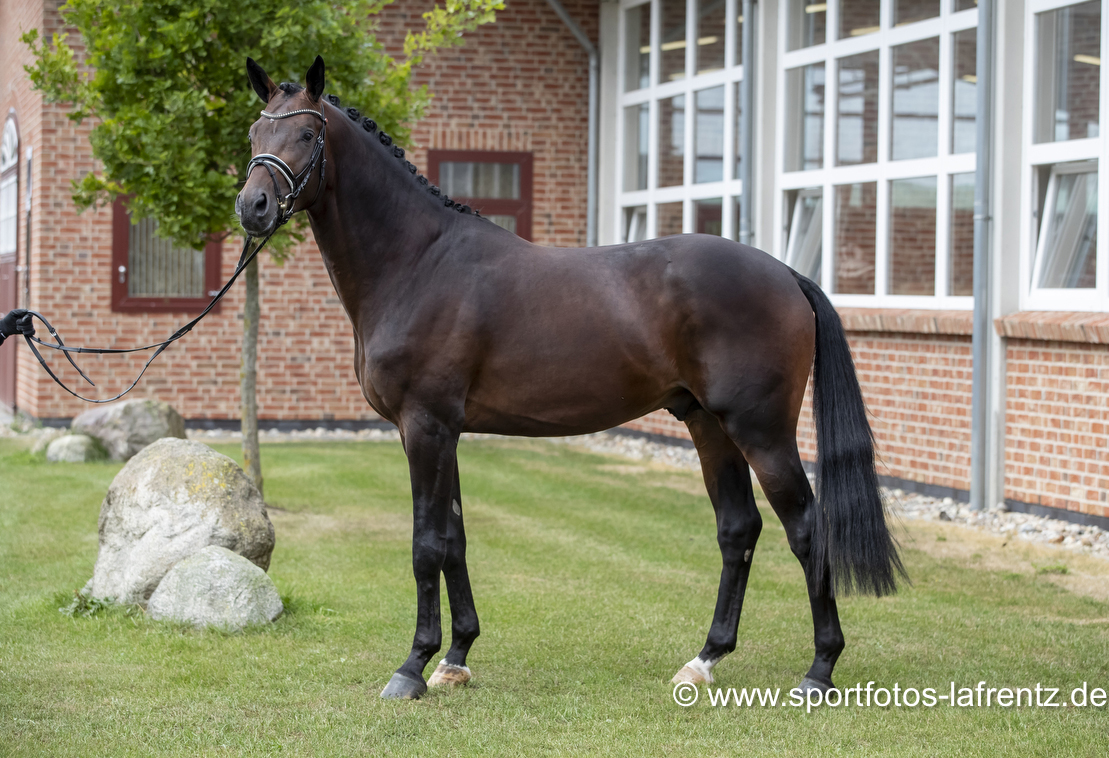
287,166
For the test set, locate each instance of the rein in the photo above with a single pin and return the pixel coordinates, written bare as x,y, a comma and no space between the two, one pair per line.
297,182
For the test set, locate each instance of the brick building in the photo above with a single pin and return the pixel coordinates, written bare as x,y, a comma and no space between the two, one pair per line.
863,178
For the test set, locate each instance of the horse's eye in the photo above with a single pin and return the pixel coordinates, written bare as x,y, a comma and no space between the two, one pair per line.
307,135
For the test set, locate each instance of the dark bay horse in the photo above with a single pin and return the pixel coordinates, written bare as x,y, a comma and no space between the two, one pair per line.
461,326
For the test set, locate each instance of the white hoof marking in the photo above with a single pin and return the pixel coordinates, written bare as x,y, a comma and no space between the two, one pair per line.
448,673
695,672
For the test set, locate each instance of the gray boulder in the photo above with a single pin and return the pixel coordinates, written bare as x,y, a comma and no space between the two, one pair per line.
127,427
75,448
171,500
215,587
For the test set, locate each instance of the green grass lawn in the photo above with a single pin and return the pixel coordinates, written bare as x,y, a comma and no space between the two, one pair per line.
595,581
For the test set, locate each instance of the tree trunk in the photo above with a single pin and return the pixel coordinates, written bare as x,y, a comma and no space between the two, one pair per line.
248,377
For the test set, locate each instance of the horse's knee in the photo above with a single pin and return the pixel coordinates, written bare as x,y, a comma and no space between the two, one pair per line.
737,534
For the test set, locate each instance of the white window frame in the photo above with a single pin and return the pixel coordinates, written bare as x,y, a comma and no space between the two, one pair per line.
729,188
9,182
1050,154
943,166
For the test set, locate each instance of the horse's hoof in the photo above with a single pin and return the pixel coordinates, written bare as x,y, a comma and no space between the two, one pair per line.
694,672
401,687
448,673
808,684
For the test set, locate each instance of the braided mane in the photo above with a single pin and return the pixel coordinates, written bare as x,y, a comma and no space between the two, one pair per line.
369,125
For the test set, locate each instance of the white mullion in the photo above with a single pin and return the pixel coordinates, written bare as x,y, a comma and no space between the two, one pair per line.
1101,272
945,113
943,235
652,118
885,115
1028,188
829,254
778,247
689,159
731,13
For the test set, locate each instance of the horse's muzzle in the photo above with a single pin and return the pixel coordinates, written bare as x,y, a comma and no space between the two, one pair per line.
257,211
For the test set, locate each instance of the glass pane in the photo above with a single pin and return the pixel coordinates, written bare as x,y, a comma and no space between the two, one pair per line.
636,123
635,224
1068,72
858,17
737,134
637,48
856,214
738,37
805,119
912,268
807,19
1069,250
964,93
709,135
710,35
710,216
916,100
806,232
504,222
908,11
158,268
962,234
671,141
673,41
669,219
857,116
8,214
963,5
736,203
480,180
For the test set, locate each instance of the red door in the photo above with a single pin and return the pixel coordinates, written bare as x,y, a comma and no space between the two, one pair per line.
7,350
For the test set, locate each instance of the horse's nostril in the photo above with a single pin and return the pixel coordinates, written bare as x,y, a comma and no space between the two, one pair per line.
260,204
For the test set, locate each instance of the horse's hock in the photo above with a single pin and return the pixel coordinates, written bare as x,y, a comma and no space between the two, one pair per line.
127,427
173,499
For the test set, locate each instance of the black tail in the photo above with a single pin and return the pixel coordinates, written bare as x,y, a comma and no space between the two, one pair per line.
850,537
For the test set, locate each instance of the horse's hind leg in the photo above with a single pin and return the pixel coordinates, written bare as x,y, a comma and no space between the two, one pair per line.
738,524
464,623
778,468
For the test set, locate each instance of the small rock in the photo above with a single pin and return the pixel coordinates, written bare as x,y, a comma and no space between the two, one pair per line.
171,500
127,427
944,516
75,448
214,587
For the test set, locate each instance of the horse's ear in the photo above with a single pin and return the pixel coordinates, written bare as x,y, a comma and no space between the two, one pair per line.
314,79
259,80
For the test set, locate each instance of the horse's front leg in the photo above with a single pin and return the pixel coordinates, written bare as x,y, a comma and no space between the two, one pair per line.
431,447
464,622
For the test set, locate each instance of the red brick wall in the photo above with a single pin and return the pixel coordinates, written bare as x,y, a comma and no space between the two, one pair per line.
1057,412
521,84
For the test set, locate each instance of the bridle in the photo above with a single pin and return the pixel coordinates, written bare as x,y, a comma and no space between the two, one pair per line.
296,182
285,206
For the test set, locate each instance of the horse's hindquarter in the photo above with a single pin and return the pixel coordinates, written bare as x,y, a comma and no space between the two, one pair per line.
574,341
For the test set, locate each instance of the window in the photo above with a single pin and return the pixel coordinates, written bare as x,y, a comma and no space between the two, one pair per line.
877,122
498,184
1064,265
678,152
151,274
9,188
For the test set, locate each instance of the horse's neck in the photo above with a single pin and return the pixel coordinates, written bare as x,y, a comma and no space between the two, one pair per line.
372,230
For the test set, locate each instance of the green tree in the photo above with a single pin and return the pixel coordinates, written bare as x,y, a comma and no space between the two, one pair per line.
166,83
